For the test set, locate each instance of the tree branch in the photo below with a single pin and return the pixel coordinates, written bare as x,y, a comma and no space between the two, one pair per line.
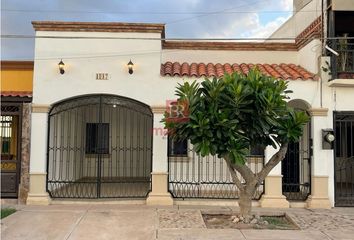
245,171
275,159
234,176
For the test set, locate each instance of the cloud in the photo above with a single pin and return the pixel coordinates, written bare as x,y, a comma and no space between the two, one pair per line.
264,30
226,18
287,5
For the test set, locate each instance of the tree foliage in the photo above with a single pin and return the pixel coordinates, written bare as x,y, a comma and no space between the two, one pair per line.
230,115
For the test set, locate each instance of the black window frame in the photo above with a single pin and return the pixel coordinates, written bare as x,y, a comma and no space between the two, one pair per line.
177,148
97,138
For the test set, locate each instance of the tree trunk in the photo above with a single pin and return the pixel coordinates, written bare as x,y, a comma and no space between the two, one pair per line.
245,203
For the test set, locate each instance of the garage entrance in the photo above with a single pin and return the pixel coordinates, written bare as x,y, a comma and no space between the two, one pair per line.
99,146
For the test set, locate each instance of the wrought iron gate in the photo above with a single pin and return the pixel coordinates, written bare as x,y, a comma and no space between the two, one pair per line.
99,146
193,176
296,168
344,158
10,135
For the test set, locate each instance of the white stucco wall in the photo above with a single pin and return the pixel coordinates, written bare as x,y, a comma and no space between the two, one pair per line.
84,58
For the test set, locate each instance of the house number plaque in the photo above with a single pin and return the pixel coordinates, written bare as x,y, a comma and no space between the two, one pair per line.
101,76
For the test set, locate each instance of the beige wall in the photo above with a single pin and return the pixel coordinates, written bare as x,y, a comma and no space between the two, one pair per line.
343,5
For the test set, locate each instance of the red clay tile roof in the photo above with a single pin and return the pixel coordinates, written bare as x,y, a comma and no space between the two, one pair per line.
282,71
15,94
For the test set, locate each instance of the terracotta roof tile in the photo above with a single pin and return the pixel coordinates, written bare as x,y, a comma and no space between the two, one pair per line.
176,68
167,68
211,70
16,94
194,70
236,68
202,69
185,69
282,71
228,68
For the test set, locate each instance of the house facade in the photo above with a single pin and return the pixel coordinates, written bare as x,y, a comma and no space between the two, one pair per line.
16,98
100,91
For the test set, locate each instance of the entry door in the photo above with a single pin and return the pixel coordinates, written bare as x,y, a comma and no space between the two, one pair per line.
291,169
344,158
10,149
296,167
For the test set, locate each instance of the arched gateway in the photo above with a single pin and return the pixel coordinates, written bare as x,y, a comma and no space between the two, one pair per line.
99,146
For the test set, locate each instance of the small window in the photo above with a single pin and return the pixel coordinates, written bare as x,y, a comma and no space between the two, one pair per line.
97,138
257,150
177,148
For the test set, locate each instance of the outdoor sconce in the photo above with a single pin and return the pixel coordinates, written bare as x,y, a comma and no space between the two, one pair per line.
327,138
61,67
130,67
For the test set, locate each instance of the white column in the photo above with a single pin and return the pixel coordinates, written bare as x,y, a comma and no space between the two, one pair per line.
38,156
273,196
159,194
321,161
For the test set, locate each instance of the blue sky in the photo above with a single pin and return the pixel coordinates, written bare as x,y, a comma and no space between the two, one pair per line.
183,18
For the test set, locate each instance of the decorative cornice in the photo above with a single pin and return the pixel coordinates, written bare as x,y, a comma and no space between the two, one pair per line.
98,27
311,32
40,108
240,46
158,109
321,112
17,65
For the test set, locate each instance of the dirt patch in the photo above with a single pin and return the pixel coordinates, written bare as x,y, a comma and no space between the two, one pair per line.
223,221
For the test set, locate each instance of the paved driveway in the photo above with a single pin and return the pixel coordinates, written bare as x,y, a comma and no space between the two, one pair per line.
108,221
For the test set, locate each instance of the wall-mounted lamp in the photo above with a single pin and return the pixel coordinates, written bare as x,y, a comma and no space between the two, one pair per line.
130,67
61,67
328,138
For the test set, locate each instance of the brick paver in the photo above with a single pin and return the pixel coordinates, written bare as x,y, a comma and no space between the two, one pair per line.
106,221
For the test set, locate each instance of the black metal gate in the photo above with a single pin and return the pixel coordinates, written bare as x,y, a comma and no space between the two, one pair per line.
10,136
344,158
99,146
296,168
193,176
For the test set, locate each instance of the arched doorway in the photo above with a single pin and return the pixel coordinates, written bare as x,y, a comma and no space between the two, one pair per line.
296,166
99,146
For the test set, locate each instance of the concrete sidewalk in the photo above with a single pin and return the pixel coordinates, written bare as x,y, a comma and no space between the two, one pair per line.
109,221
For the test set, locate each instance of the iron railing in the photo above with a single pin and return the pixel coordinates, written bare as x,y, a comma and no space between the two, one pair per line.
193,176
343,64
99,146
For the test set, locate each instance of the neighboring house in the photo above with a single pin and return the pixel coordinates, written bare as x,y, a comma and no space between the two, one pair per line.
16,97
96,128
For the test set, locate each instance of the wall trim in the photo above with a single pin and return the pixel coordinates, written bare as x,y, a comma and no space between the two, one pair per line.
17,65
321,112
241,46
38,173
62,26
40,108
312,31
158,109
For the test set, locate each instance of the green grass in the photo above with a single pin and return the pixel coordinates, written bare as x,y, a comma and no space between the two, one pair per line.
277,222
6,212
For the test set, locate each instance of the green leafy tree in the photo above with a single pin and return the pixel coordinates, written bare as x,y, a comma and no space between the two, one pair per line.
230,115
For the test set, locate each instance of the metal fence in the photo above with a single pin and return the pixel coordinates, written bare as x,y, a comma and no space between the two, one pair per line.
193,176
